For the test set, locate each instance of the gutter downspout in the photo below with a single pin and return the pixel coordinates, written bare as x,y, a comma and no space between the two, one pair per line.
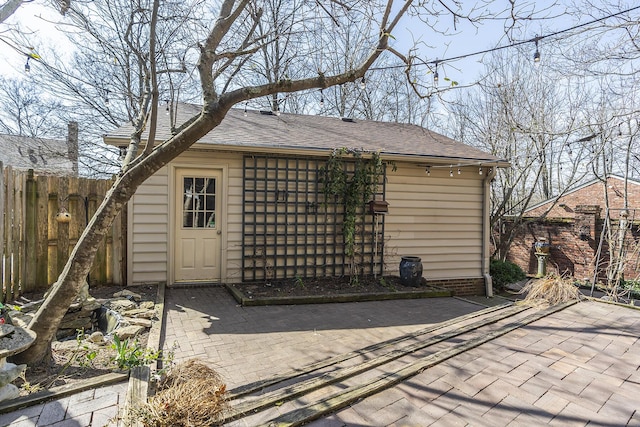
486,230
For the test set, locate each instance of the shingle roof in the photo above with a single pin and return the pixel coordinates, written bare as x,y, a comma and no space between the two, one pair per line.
46,156
254,131
591,193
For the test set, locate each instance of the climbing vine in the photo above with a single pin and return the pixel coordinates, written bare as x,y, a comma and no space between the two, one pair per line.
352,176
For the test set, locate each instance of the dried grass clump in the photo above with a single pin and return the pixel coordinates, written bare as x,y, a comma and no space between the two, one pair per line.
550,290
192,394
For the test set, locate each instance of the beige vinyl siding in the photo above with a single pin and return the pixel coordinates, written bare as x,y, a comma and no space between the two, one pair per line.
437,218
149,216
231,164
233,247
148,231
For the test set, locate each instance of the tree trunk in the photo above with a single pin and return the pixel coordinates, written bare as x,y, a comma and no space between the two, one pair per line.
47,319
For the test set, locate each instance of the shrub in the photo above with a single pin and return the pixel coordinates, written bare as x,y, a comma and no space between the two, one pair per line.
505,272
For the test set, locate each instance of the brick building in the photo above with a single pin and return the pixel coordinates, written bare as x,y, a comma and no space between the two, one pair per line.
573,224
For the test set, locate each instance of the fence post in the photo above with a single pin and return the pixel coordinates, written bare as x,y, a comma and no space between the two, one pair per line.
18,233
3,284
42,227
63,227
9,244
30,233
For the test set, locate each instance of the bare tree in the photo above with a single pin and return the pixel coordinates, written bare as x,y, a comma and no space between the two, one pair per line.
216,50
28,113
519,113
155,44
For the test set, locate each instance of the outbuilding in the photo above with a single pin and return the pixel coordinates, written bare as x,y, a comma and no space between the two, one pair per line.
247,203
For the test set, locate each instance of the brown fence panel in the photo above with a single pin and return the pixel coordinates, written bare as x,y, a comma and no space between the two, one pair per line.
42,233
36,240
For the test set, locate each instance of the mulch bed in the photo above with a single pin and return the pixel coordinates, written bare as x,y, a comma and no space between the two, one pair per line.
332,289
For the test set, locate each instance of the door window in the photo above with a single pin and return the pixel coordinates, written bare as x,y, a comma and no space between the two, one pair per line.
198,202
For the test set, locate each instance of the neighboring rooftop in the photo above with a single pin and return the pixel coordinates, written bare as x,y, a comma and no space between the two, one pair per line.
256,131
592,193
45,156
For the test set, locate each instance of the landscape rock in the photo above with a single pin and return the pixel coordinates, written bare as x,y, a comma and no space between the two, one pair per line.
147,305
122,304
9,392
130,331
138,312
96,337
76,322
125,293
9,372
138,321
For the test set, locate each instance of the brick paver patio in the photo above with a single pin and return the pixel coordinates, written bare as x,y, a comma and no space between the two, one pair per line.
576,367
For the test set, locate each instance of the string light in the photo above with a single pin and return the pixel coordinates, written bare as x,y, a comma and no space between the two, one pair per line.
535,40
459,171
321,99
106,97
27,67
428,170
480,171
435,74
363,83
167,109
245,109
451,170
536,56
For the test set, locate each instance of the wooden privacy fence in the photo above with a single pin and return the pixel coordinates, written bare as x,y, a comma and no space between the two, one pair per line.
43,217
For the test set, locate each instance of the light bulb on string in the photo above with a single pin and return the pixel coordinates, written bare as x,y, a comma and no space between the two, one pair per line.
321,99
480,171
435,74
428,170
451,170
245,109
32,55
167,109
106,97
363,83
459,171
536,55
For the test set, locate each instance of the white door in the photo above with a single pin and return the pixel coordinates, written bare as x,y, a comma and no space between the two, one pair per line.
197,253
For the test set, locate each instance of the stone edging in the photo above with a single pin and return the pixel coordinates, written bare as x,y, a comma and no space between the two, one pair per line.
138,389
242,299
619,304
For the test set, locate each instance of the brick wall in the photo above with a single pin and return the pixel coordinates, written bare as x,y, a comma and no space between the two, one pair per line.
573,228
461,287
573,251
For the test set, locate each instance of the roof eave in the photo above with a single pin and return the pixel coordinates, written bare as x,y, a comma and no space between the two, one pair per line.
419,158
309,151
